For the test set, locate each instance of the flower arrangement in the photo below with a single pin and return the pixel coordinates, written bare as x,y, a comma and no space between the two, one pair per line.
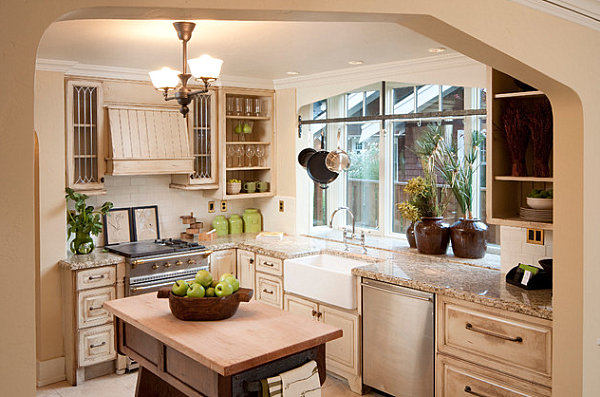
83,222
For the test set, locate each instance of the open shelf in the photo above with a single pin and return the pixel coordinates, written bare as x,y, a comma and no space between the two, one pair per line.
247,168
248,143
518,94
523,178
240,196
519,222
248,117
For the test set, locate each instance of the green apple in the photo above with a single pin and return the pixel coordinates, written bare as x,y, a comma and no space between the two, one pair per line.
225,275
180,288
204,278
223,289
234,283
196,291
214,283
210,292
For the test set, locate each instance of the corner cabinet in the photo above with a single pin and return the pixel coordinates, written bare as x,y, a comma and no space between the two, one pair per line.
85,136
202,126
222,262
247,140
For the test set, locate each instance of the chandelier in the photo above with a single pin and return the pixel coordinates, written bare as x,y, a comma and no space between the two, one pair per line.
205,68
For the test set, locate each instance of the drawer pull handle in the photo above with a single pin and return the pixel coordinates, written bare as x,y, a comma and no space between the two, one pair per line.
268,264
473,393
267,291
319,314
96,277
251,261
470,327
92,346
314,312
92,308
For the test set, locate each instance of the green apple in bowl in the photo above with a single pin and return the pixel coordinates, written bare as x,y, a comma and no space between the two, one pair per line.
214,283
225,275
223,289
235,283
204,278
180,288
196,291
210,292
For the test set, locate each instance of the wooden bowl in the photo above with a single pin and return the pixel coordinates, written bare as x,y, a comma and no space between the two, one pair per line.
205,309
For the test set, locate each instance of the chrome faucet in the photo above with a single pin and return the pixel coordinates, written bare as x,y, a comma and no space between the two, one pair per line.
349,236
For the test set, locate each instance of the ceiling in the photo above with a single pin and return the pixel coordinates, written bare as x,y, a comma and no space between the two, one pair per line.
264,50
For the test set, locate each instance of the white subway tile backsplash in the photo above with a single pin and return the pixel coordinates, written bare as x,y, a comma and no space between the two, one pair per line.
533,249
514,248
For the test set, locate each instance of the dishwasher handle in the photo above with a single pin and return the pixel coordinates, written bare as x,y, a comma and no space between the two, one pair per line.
397,290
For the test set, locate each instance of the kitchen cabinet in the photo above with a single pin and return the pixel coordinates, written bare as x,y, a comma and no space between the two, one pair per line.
85,136
246,269
343,354
247,127
88,329
222,262
497,343
203,140
506,193
269,289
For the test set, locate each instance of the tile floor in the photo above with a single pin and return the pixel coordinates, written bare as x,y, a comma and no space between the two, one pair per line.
124,386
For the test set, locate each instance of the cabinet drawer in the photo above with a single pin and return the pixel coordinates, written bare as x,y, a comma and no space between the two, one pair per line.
457,378
90,304
269,289
97,277
96,345
509,342
269,265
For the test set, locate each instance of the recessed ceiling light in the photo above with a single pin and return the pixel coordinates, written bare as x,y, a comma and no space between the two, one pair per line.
356,62
292,73
437,50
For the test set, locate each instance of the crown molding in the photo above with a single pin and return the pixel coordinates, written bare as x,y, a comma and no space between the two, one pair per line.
377,72
583,12
71,68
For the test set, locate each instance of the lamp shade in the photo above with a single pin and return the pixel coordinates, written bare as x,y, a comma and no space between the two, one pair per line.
165,78
205,67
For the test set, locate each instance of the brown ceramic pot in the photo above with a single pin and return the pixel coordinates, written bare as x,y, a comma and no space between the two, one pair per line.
432,235
410,235
469,238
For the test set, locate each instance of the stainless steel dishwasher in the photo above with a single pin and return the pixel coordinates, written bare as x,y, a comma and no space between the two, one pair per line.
398,339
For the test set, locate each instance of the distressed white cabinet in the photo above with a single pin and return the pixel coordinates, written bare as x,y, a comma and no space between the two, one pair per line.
246,269
222,262
88,329
85,136
269,280
343,354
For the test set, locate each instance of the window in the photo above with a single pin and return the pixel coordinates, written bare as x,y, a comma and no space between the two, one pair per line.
382,123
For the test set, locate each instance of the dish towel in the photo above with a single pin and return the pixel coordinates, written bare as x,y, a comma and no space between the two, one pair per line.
302,381
271,387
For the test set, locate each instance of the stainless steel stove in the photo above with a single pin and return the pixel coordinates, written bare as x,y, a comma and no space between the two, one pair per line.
159,263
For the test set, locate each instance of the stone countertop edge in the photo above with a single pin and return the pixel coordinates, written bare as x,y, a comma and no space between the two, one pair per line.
99,257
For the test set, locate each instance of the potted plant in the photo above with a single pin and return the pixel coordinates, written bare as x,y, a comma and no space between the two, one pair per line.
432,234
409,210
468,235
83,222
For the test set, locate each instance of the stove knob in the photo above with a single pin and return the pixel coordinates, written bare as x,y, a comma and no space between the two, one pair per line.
178,263
191,262
155,266
167,265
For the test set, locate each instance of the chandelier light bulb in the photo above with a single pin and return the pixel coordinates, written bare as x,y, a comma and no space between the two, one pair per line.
165,78
205,67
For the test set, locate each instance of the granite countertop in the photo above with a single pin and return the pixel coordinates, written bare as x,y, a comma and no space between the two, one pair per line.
98,257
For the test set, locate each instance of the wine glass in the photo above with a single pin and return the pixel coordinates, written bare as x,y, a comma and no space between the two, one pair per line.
260,153
250,152
239,151
231,152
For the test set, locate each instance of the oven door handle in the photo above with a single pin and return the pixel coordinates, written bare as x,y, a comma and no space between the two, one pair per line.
145,287
167,257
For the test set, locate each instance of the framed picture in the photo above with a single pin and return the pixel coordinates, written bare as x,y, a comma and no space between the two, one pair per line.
117,226
145,223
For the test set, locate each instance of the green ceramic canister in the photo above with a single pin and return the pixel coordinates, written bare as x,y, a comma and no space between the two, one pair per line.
236,224
252,221
221,225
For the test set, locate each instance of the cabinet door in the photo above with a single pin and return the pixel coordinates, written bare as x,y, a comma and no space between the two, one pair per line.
342,353
300,306
90,304
245,268
222,262
85,136
269,289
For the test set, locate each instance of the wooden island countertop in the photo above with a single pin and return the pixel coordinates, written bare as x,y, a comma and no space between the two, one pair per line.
256,334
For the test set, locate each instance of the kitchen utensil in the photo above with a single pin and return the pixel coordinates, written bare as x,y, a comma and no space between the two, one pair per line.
337,160
252,221
221,225
236,224
262,186
316,168
304,155
250,187
207,308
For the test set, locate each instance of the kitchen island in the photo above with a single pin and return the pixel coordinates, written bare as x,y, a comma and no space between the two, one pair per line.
214,358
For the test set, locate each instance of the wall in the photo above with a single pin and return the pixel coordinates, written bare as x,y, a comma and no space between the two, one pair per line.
515,248
547,52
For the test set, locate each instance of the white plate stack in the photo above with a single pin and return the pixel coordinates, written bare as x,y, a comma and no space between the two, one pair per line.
531,214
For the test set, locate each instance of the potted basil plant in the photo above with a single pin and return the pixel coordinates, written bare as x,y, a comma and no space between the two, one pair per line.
468,235
83,222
